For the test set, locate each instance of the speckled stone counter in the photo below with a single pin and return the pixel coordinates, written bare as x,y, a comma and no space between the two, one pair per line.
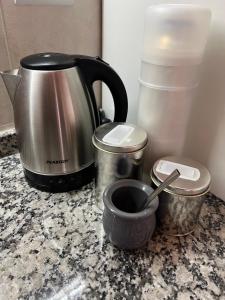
53,247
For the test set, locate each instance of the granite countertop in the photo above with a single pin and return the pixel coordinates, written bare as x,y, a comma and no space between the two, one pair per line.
53,247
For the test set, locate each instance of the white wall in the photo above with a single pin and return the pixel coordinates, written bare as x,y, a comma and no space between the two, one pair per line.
123,23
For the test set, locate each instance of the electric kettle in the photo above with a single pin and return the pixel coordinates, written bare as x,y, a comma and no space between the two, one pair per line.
55,115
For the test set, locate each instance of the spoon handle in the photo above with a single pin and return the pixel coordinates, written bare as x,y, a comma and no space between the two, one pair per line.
174,175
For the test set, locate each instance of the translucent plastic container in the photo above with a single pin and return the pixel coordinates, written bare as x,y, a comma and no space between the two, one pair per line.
164,114
175,34
159,76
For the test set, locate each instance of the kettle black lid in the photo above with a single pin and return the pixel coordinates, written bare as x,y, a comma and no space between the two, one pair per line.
48,61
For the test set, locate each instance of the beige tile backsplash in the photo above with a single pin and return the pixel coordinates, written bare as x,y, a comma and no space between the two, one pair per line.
30,29
6,117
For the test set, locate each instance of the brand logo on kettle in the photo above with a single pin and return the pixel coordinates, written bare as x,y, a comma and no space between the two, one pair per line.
55,162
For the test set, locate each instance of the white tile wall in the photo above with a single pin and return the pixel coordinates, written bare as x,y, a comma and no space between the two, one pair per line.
205,141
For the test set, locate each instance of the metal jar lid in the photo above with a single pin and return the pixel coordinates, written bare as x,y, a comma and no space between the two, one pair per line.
194,180
119,137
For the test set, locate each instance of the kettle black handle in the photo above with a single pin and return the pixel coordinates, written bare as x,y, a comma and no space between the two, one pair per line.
94,68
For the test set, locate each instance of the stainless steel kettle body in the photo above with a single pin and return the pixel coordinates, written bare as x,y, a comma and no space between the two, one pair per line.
55,115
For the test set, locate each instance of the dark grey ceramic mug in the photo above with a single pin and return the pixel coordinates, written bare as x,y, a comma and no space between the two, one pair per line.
125,225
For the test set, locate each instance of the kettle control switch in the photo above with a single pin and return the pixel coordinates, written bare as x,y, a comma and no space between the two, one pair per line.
44,2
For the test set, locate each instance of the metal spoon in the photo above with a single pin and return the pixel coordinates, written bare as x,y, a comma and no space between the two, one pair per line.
173,176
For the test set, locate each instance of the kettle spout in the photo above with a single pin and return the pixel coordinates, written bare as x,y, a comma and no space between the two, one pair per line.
11,80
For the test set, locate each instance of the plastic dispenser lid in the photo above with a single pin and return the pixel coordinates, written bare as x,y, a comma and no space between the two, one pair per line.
194,179
175,34
119,137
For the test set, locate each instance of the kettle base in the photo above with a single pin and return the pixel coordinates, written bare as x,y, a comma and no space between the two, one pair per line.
60,183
